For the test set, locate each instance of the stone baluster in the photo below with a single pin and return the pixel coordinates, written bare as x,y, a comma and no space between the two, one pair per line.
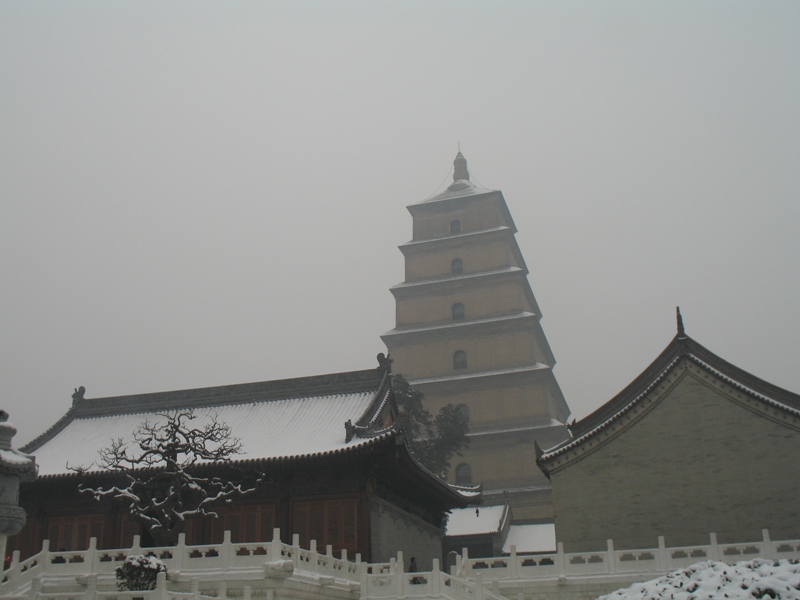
768,551
611,557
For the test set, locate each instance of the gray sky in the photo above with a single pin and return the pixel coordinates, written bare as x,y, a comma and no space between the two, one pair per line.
202,193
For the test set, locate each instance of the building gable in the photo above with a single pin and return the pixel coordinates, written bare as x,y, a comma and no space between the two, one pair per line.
693,448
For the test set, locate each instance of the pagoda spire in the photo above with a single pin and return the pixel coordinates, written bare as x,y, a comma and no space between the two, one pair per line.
460,171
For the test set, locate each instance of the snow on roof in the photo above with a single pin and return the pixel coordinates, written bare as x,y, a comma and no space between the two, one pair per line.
540,537
455,237
458,189
475,521
273,429
462,324
449,278
510,370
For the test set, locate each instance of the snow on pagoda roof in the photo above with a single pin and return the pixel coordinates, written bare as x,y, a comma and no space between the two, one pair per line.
269,427
476,521
462,184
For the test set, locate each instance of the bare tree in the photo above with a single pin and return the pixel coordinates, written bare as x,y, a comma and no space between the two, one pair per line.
162,484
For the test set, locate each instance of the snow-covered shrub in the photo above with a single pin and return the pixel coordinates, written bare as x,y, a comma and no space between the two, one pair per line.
756,579
139,572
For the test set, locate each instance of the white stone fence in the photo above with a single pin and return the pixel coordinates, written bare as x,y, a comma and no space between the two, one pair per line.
247,568
389,581
206,561
90,574
562,566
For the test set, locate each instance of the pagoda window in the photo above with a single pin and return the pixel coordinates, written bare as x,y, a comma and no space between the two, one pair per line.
455,226
458,311
463,474
457,266
463,410
459,359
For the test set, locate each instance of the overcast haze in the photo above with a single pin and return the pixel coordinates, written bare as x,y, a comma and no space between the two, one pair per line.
198,194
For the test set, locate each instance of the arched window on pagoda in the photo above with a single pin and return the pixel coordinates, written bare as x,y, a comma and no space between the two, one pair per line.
460,359
458,311
463,474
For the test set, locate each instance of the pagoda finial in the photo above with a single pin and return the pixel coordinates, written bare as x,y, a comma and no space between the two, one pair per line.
681,330
460,171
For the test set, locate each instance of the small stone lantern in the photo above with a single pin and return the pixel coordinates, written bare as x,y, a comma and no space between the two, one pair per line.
15,466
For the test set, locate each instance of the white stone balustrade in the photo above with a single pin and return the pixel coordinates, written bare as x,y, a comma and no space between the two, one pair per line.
211,571
657,560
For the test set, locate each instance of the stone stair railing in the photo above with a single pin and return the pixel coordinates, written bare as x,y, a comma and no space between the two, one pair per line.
182,561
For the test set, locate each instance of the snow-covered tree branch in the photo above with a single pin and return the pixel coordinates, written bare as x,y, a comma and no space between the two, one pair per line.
163,475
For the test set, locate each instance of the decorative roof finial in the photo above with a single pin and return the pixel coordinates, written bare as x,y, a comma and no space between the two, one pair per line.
460,167
681,330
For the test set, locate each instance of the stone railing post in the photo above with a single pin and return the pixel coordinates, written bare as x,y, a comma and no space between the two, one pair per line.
227,550
13,571
715,554
196,588
400,576
91,555
222,590
45,562
275,551
314,560
295,550
514,562
344,554
479,595
136,546
661,555
161,586
768,550
91,586
611,557
466,566
561,560
363,577
179,555
436,579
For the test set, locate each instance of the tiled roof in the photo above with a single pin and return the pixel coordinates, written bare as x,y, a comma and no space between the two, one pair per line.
271,426
681,348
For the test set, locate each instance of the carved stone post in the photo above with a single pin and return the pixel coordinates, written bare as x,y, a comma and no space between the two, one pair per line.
15,466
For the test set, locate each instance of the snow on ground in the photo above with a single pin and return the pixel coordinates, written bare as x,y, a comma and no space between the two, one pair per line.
757,578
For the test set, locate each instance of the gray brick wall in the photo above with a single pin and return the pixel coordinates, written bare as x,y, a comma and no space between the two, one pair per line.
394,529
698,462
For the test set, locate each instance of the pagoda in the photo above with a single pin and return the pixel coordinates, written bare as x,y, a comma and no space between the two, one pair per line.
467,333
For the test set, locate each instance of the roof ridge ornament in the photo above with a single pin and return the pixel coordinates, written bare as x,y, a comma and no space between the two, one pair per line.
681,330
